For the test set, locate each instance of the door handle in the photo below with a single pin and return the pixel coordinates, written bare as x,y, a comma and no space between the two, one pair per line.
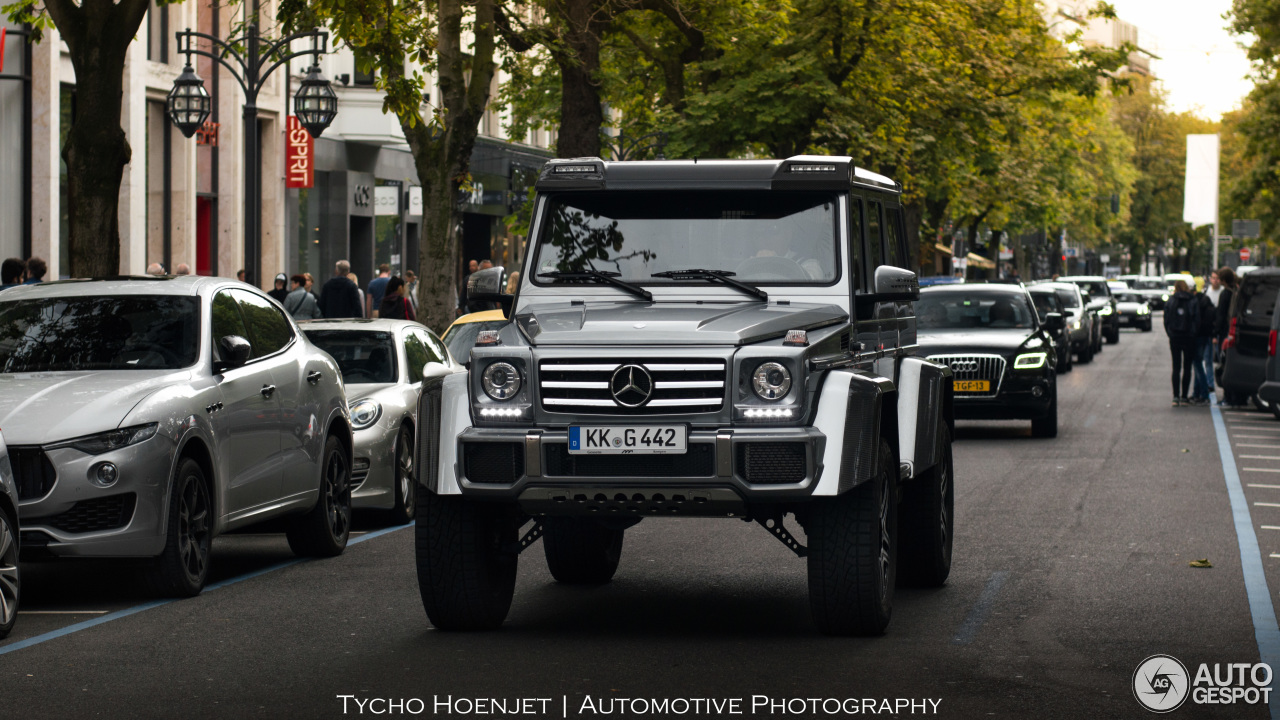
267,390
314,376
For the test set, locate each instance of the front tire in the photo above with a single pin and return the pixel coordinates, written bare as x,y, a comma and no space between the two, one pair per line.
1113,335
853,555
10,575
183,566
928,521
581,551
323,532
466,558
1047,426
406,490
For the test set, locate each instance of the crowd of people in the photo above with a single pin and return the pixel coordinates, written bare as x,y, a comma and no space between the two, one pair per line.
16,271
1196,320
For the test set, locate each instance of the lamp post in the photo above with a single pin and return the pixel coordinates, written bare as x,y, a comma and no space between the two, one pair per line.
315,105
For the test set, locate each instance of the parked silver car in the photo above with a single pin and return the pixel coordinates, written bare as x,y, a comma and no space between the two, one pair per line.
148,415
10,573
381,363
1082,324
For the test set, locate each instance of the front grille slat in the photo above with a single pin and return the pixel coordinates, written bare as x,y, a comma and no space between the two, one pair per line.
32,471
106,513
975,367
680,385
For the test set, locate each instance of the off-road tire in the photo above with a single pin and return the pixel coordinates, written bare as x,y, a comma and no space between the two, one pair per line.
466,559
581,551
182,568
853,555
325,529
927,517
1047,426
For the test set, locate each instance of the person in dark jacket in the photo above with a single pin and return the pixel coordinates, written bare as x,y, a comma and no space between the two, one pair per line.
280,291
1222,315
340,298
1204,338
395,306
1181,322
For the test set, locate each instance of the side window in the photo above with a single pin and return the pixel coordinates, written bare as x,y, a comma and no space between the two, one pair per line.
875,257
855,239
415,354
436,350
226,319
268,330
894,240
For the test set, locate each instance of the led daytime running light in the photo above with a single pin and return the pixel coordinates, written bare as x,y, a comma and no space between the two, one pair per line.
754,413
1030,361
501,412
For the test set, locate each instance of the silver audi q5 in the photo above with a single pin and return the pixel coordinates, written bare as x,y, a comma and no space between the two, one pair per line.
145,416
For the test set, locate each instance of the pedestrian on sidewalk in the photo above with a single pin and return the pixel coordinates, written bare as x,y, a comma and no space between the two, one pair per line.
1203,369
1181,319
394,304
300,304
1222,314
340,298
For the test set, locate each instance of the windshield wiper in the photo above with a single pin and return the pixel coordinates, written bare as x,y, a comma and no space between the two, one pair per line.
720,276
603,278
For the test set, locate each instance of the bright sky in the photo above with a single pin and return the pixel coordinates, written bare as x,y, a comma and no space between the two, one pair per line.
1202,66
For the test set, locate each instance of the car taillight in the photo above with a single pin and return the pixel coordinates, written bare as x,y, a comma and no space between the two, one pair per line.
1271,344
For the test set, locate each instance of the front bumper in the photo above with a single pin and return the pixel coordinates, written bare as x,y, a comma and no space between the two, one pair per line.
722,471
77,518
1016,400
1134,320
373,473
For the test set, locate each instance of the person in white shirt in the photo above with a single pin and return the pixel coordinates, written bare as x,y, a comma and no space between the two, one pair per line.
1215,288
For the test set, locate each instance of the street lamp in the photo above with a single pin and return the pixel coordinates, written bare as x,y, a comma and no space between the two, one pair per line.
189,105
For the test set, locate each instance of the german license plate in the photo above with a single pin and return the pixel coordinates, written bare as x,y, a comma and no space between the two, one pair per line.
972,386
627,440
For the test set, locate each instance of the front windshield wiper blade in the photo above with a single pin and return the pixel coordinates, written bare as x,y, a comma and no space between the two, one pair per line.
721,276
604,278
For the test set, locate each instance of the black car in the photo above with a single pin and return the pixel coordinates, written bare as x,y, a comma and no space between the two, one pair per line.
1002,356
1250,340
1047,301
1100,301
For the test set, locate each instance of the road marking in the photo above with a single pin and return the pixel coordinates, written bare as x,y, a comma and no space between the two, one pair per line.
1270,470
1263,611
85,625
1269,487
1270,527
63,612
1255,437
981,609
1260,457
1258,445
1262,504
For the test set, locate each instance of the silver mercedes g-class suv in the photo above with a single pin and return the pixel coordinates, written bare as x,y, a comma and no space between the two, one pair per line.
728,339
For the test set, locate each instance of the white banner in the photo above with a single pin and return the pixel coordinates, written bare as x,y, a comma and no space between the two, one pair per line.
386,200
415,200
1200,200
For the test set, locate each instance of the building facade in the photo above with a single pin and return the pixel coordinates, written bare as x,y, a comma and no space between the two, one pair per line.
182,200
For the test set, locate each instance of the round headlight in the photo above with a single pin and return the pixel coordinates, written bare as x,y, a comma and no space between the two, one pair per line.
501,381
364,413
771,381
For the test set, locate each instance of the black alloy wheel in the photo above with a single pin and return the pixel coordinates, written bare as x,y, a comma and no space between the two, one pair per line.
182,568
406,490
324,531
10,575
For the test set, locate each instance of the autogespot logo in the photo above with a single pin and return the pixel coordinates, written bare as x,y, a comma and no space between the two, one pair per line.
1160,683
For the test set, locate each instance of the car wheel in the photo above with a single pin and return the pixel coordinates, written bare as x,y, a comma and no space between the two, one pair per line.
581,551
406,482
853,555
324,530
928,521
466,557
183,566
1113,335
1147,327
1047,426
1086,354
10,575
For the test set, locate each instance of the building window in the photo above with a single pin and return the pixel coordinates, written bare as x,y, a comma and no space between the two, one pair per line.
158,33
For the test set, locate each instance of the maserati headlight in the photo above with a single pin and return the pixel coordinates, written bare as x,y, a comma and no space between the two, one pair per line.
1030,361
364,413
501,381
114,439
771,381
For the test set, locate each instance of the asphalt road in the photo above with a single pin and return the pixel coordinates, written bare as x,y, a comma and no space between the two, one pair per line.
1071,567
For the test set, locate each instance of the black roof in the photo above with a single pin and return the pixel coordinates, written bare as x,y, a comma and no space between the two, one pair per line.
801,172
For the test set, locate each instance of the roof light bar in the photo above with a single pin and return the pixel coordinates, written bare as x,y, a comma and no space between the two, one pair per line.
810,168
575,168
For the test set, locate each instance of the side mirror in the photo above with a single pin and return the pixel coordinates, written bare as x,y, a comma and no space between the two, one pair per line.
893,284
433,370
1055,322
486,286
235,352
1086,297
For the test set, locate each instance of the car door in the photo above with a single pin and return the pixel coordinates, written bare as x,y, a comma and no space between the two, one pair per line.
1256,304
245,425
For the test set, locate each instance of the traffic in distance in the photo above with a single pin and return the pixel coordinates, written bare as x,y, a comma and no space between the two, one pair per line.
663,355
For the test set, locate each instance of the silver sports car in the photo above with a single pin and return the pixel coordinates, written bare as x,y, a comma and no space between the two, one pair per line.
381,362
10,574
145,416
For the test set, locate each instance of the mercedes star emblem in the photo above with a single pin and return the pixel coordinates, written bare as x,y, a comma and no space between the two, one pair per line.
631,386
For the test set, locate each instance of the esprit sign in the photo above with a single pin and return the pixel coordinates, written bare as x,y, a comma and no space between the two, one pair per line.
299,170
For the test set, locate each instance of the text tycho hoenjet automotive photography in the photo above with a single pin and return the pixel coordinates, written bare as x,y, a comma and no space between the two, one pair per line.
639,359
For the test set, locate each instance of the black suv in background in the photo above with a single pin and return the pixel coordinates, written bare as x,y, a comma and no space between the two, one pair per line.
1250,338
1101,302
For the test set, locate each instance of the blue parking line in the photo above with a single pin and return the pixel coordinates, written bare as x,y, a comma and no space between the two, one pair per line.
981,609
77,627
1255,579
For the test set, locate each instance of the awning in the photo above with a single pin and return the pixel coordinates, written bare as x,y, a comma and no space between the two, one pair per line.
977,260
943,248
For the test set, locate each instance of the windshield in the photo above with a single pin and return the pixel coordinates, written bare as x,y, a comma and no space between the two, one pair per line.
762,237
1069,298
1129,297
973,309
363,356
113,332
1149,285
1097,289
461,338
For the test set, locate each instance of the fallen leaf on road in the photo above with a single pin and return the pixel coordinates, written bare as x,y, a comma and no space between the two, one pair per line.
1186,450
1202,563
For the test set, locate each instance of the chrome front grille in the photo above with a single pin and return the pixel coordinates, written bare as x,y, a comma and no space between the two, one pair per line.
975,367
679,386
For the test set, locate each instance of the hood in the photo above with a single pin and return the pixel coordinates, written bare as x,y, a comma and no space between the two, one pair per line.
670,323
40,408
946,342
360,391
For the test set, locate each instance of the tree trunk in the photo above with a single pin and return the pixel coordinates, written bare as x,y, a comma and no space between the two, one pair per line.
913,214
438,258
581,114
